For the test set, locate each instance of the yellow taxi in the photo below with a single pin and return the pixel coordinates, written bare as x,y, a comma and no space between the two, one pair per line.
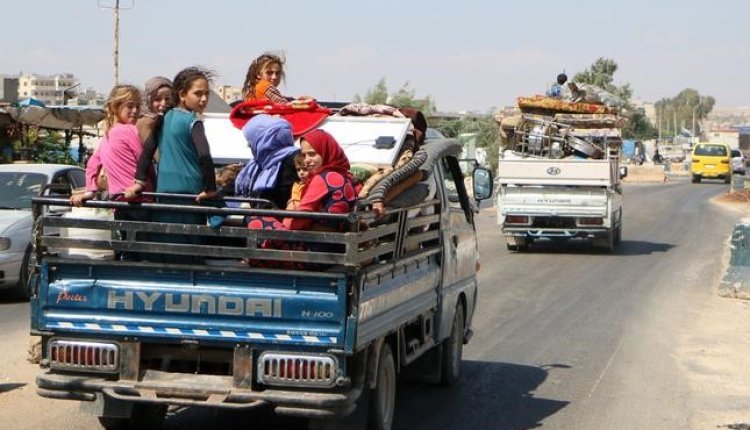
711,161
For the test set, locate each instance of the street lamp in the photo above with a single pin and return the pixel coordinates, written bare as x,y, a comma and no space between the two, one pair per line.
67,94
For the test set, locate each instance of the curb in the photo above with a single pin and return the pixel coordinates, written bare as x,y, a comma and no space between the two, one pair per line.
736,280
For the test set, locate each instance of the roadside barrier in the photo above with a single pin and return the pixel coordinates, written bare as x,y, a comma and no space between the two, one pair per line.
736,280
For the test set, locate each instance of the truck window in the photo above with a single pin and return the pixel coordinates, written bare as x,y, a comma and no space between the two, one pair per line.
455,188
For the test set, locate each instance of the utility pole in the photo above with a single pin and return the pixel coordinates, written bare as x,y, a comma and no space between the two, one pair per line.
116,51
117,42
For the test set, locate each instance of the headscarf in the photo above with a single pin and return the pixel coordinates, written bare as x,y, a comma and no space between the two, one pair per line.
270,140
153,86
334,158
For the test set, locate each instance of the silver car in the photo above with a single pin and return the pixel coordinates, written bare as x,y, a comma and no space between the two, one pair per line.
19,183
738,162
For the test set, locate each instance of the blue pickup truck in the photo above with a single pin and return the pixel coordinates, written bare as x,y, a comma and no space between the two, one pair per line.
317,334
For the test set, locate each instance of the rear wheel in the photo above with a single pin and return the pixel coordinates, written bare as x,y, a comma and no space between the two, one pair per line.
696,179
145,416
618,234
728,179
383,397
606,242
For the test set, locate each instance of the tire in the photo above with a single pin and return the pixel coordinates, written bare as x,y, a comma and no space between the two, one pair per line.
607,242
511,247
24,288
728,179
383,397
110,423
453,350
618,234
146,416
696,179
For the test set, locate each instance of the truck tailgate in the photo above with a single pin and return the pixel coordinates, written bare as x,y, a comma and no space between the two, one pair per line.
222,305
531,171
537,200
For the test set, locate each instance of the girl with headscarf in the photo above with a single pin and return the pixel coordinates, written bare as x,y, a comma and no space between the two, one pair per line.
271,173
330,188
159,98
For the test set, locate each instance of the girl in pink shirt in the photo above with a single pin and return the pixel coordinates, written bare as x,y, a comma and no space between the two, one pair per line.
118,154
119,149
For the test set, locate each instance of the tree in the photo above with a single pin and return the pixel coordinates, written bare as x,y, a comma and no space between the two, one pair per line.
405,97
485,128
377,95
639,127
684,111
601,74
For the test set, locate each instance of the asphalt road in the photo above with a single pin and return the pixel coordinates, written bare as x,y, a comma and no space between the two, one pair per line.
566,336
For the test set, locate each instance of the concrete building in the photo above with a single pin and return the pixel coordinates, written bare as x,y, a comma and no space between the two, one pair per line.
229,93
89,97
48,89
730,136
8,89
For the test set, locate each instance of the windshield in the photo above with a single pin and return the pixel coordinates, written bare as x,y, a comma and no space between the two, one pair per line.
711,150
17,189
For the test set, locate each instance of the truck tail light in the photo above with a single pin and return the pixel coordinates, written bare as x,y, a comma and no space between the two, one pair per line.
83,356
280,368
590,221
518,219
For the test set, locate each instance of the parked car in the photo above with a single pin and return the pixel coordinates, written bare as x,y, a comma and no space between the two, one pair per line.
739,162
711,161
19,183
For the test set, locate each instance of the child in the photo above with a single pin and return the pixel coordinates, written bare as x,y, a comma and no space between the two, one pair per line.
299,186
119,150
225,179
185,163
117,155
263,78
158,91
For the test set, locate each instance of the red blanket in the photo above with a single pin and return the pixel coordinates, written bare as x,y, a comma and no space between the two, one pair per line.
303,115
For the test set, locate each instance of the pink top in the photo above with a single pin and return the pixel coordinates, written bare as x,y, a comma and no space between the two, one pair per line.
118,152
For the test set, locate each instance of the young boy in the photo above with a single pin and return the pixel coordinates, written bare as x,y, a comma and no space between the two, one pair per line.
299,187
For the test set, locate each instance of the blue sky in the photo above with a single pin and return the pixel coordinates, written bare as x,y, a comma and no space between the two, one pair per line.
468,55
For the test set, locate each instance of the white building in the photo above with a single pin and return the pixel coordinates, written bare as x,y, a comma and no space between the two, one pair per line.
229,93
48,89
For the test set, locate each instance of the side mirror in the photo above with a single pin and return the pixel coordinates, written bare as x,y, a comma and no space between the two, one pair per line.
623,171
482,183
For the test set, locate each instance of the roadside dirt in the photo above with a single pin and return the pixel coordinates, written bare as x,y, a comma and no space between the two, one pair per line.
714,350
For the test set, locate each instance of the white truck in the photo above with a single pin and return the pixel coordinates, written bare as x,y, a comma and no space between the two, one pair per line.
560,182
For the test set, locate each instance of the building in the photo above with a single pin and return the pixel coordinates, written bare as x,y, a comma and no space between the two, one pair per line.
730,136
8,89
48,89
229,93
89,97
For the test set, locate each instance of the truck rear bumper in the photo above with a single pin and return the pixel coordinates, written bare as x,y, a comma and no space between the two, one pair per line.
200,390
554,232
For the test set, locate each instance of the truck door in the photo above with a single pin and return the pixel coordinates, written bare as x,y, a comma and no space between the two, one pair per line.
460,255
